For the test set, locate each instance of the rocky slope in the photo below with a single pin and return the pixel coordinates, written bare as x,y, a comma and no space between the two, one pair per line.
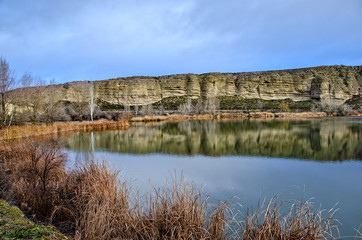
326,83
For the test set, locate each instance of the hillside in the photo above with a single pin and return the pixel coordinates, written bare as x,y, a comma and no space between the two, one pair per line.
317,84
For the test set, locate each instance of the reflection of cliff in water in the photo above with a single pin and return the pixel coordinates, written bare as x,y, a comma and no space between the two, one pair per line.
318,139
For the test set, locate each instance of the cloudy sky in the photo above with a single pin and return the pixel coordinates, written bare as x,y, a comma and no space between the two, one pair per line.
100,39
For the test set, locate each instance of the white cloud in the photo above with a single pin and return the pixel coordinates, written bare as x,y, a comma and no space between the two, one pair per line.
100,39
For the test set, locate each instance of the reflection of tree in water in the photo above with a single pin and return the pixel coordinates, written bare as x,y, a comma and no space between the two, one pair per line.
323,140
84,146
315,139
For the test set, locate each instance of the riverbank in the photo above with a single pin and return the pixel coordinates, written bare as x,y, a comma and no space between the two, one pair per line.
59,128
30,130
251,115
14,225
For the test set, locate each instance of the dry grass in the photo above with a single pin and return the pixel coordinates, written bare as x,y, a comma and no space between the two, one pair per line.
300,222
101,209
32,171
90,203
25,131
96,206
178,211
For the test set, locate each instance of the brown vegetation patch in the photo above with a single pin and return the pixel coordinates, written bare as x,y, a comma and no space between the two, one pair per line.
30,130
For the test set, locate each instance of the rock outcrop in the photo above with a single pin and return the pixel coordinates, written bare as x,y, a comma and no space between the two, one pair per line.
325,83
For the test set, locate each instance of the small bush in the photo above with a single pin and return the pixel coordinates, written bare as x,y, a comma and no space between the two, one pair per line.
335,108
33,181
284,107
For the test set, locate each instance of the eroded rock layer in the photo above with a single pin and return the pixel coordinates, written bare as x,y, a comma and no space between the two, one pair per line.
329,83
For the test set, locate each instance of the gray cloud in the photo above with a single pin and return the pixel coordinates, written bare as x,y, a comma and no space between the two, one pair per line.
73,40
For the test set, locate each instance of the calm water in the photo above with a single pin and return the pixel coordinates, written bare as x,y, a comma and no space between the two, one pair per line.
252,160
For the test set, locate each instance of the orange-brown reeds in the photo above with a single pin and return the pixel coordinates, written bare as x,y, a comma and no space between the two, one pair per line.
300,222
33,171
178,211
96,204
24,131
100,208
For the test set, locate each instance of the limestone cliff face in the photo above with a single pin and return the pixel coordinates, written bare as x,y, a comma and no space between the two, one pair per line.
330,83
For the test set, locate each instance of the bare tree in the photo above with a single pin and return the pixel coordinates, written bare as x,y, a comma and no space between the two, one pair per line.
7,83
34,96
92,105
199,106
40,102
136,108
211,105
52,107
27,80
186,108
147,110
126,106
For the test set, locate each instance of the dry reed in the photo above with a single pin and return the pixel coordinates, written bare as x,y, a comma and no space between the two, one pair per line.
300,222
31,130
33,170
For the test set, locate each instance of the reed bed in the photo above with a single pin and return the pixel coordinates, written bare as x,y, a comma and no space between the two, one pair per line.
300,222
91,203
30,130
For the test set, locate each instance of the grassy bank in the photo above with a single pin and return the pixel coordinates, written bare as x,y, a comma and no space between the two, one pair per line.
90,203
30,130
13,225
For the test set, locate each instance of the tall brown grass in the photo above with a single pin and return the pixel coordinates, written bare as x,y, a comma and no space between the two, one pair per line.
33,171
30,130
300,222
91,203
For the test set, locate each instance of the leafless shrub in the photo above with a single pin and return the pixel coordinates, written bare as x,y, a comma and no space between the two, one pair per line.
34,179
212,104
147,110
199,107
161,110
183,109
260,105
333,107
7,82
344,109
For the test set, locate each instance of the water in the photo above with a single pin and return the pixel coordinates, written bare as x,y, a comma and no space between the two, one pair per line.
250,160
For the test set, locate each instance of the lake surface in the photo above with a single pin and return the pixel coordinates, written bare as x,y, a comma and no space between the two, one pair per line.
251,160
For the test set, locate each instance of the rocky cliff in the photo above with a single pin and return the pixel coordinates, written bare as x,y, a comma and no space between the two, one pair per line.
325,83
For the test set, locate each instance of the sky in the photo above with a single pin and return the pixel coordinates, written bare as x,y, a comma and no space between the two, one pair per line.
102,39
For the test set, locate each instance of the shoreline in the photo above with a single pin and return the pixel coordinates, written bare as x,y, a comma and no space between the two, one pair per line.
59,128
30,130
251,115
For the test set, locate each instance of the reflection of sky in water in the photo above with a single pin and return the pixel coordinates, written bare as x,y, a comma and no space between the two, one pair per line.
251,179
